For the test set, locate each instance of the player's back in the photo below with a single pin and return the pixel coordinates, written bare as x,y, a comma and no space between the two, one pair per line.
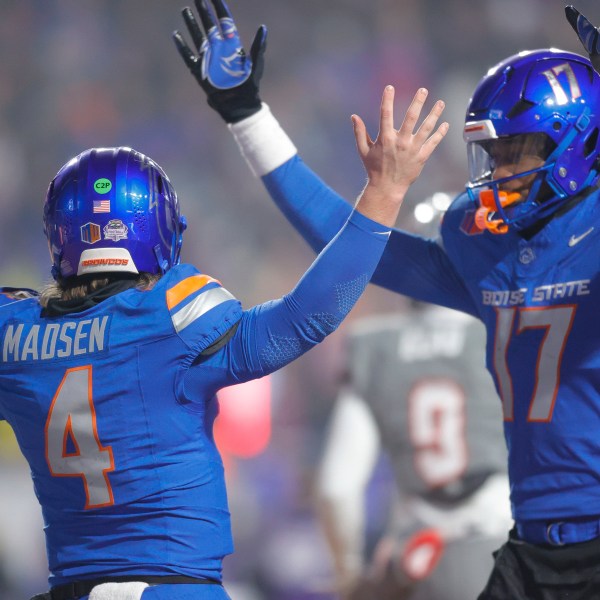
125,469
438,414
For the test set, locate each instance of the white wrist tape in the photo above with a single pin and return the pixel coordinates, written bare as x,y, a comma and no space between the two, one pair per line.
262,141
131,590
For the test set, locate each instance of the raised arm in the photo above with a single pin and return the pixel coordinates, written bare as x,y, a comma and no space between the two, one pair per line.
275,333
230,79
396,158
315,210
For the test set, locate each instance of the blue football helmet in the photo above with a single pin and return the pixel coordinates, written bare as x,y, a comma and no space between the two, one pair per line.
112,210
532,137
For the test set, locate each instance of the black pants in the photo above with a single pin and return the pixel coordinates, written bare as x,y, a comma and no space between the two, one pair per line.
527,572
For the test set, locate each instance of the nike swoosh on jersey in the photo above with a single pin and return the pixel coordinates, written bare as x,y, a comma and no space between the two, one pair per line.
575,239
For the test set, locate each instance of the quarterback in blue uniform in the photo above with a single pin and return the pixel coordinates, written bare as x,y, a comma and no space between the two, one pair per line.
108,377
520,250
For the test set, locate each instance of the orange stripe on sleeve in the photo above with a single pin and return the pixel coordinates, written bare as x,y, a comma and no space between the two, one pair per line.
186,287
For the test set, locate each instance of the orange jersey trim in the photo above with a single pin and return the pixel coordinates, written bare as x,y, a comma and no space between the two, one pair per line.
186,287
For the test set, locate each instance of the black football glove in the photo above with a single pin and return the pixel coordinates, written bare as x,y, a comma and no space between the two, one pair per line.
220,65
587,33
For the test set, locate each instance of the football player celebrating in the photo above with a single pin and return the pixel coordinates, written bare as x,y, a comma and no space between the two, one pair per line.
519,250
109,377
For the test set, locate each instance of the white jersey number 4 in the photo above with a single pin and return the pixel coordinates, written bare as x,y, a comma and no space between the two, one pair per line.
73,447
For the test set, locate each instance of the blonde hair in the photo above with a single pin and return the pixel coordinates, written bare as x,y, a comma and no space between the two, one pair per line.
79,288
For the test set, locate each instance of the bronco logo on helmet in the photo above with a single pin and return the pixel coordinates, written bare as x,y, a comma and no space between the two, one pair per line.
145,227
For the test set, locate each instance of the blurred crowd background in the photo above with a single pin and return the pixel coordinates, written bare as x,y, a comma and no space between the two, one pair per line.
79,74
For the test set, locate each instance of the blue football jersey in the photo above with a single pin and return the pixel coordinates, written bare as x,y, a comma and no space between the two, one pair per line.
113,406
535,297
79,389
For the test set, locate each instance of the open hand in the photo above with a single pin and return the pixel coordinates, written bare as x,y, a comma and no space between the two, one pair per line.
219,63
395,159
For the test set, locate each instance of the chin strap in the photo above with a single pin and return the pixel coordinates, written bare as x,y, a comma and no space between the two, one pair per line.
486,216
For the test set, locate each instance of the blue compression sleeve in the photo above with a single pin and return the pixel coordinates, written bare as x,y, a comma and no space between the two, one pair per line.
411,265
273,334
315,210
420,268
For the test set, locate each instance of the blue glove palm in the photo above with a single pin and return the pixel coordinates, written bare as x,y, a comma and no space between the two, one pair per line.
588,34
225,72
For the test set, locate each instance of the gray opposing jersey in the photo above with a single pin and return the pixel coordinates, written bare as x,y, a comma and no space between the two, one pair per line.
439,416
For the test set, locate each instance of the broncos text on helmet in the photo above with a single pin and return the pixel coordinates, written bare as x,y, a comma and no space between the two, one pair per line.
112,210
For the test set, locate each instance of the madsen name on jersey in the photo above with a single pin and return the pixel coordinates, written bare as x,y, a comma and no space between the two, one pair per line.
28,342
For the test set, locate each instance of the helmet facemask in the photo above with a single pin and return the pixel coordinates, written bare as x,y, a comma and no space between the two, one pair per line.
507,176
532,137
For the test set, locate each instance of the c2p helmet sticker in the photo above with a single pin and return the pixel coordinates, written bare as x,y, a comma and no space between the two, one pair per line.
115,230
102,185
90,233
